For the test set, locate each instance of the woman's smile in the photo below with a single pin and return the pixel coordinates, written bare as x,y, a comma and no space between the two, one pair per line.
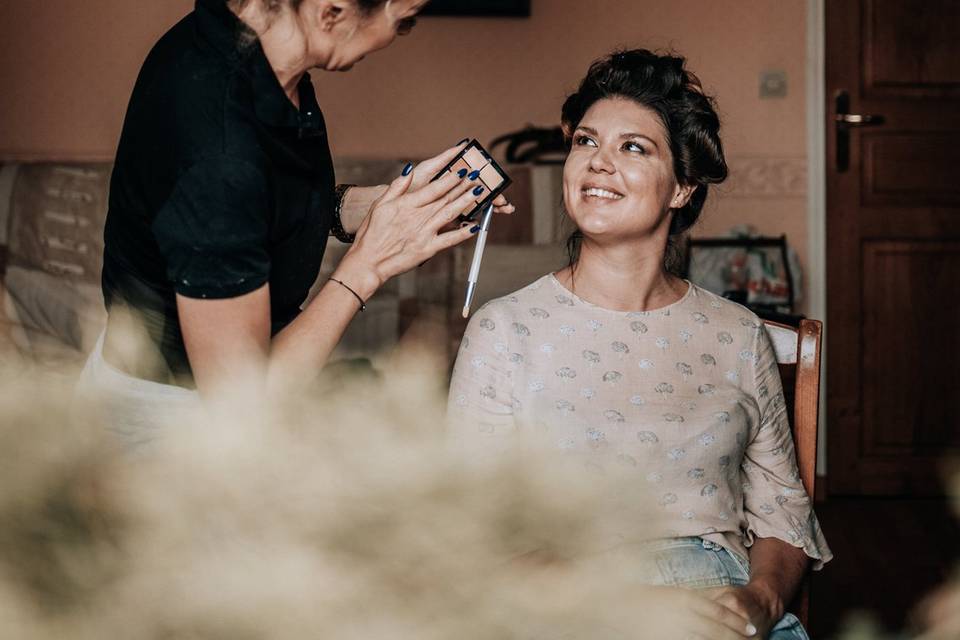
600,194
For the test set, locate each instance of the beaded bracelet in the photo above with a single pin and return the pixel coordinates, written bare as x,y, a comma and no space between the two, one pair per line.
336,228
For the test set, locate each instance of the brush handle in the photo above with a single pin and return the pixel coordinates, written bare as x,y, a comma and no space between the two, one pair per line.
474,275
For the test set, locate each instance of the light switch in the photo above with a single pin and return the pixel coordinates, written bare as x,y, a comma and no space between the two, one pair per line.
773,84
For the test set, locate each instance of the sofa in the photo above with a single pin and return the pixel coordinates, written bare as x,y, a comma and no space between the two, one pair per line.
51,222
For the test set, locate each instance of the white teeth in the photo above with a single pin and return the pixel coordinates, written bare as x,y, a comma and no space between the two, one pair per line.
601,193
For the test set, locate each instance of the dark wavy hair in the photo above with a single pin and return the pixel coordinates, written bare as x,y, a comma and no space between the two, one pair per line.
689,118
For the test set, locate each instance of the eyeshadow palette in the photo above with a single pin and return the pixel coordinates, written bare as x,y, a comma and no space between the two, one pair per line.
492,177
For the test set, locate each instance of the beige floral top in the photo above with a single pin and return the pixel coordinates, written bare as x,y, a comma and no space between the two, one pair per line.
687,397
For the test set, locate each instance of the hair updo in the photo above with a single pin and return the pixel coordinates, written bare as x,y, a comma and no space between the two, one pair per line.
689,119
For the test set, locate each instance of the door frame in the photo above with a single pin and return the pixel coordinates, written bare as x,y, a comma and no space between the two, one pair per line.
816,121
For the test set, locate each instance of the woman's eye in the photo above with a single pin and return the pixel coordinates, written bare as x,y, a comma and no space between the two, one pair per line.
633,147
583,140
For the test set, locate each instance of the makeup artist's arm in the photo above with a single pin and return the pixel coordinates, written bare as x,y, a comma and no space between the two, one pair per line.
228,341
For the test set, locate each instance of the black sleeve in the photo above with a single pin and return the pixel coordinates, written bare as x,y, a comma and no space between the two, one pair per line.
213,229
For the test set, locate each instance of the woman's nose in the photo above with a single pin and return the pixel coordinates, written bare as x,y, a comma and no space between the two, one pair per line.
600,162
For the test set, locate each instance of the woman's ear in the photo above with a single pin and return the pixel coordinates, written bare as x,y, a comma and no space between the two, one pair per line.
681,195
331,13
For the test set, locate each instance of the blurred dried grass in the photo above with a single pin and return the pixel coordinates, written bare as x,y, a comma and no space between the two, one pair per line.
341,515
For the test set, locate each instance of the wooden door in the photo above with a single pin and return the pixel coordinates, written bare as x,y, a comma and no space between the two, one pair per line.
893,244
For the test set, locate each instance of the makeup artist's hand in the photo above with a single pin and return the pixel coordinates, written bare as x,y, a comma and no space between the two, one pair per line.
424,172
404,228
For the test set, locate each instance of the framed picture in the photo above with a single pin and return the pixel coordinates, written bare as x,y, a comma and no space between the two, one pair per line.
489,8
755,271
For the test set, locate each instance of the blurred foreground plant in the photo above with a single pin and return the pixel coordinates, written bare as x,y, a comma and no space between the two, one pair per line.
342,515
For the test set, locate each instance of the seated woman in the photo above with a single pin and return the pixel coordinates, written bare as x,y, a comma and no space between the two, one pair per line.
619,359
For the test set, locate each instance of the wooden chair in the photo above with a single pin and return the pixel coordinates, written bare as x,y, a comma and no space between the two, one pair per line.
798,357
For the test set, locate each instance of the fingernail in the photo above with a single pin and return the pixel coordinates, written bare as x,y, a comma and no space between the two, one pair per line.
461,173
478,191
462,141
751,630
407,169
475,229
474,174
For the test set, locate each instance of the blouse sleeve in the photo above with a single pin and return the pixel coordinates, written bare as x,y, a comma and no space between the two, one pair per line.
213,230
480,408
775,502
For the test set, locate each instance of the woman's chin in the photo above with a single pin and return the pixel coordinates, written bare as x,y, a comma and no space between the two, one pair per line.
592,225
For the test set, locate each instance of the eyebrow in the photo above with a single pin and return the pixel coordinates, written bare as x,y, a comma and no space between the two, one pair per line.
623,136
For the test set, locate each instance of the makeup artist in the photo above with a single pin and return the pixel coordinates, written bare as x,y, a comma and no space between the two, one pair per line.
222,198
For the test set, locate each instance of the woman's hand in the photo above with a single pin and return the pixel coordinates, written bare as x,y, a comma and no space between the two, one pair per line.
424,172
403,229
776,570
753,603
671,612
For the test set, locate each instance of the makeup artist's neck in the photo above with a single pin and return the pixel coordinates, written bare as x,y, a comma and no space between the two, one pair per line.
623,278
283,44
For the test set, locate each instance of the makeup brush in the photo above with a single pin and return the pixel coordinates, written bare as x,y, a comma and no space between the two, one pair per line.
477,257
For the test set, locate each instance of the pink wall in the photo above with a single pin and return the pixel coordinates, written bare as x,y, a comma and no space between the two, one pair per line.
67,70
68,67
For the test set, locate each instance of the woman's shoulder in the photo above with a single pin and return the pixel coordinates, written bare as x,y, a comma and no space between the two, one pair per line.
708,308
515,304
194,97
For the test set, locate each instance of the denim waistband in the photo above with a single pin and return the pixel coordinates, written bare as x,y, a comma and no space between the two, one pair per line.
690,562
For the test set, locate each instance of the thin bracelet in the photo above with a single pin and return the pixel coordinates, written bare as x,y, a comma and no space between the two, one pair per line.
363,305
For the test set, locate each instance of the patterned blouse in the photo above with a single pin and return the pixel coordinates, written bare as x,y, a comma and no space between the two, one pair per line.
687,397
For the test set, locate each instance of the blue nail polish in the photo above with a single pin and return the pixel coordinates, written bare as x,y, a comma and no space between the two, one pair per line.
407,169
461,173
463,141
475,229
474,174
478,191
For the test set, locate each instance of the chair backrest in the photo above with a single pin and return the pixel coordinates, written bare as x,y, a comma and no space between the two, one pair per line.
798,356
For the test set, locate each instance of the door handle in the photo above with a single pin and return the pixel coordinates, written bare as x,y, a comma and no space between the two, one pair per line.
858,120
843,122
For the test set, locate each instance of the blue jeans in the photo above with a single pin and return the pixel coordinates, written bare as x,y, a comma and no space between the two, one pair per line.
695,563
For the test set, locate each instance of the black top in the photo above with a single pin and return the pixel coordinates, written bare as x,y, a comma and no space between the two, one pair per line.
220,184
